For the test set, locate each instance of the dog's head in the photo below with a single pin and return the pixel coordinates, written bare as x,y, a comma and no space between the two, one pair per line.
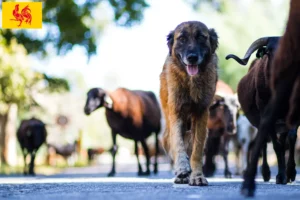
95,100
191,45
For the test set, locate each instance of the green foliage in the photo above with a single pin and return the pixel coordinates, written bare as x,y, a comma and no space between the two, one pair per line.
74,22
55,84
18,81
218,5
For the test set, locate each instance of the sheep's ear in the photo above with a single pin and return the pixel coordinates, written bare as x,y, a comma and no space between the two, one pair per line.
213,38
170,40
101,92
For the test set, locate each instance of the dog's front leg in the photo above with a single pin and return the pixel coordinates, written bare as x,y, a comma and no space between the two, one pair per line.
178,152
199,132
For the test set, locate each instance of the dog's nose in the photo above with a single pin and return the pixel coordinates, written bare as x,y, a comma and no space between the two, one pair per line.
192,58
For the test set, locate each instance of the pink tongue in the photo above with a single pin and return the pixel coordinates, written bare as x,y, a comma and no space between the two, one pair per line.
192,70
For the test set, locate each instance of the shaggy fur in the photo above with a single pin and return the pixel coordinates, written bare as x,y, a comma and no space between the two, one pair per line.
133,114
31,135
186,96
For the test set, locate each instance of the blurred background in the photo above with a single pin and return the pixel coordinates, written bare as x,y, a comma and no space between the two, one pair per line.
47,72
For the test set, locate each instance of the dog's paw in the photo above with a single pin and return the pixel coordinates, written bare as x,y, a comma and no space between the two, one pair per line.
198,180
182,177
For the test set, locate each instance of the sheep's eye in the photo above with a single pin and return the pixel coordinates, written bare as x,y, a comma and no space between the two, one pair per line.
182,39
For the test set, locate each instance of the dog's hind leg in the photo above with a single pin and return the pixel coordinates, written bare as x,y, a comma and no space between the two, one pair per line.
199,132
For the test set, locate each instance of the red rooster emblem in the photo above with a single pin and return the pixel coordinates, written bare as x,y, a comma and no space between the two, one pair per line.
25,14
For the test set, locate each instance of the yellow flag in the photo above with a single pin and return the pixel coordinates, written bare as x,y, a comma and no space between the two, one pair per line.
22,15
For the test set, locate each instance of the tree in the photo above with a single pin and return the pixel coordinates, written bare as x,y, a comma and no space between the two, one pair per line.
238,24
67,23
18,82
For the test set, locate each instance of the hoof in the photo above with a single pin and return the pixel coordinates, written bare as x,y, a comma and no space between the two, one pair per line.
198,180
248,188
155,171
209,171
141,173
227,174
266,173
291,174
111,174
281,179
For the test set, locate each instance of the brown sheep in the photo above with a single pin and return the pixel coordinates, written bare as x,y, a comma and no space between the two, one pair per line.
253,89
134,114
284,84
31,135
220,126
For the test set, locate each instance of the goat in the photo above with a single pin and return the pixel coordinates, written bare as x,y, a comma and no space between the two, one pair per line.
283,105
67,151
220,125
31,135
134,114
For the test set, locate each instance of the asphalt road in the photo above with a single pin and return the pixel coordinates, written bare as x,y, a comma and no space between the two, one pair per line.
92,183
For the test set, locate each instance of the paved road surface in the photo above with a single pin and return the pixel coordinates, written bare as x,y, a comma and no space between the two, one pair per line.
92,183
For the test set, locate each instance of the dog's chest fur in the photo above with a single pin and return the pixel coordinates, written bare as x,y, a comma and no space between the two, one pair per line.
191,95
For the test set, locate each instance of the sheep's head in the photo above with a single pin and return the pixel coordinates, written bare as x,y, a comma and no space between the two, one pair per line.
95,100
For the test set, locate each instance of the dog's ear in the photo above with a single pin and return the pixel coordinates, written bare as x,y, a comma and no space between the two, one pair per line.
213,37
170,40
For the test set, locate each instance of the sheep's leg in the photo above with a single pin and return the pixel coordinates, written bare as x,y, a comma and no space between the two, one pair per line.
224,144
209,166
238,157
245,155
267,125
114,150
156,154
265,169
291,165
25,163
136,150
146,151
280,151
31,166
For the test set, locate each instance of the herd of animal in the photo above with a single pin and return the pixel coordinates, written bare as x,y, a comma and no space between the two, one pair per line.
202,114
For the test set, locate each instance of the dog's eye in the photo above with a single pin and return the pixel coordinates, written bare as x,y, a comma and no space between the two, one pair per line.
182,39
201,37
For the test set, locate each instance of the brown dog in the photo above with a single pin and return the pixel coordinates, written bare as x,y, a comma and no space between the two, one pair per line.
188,83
